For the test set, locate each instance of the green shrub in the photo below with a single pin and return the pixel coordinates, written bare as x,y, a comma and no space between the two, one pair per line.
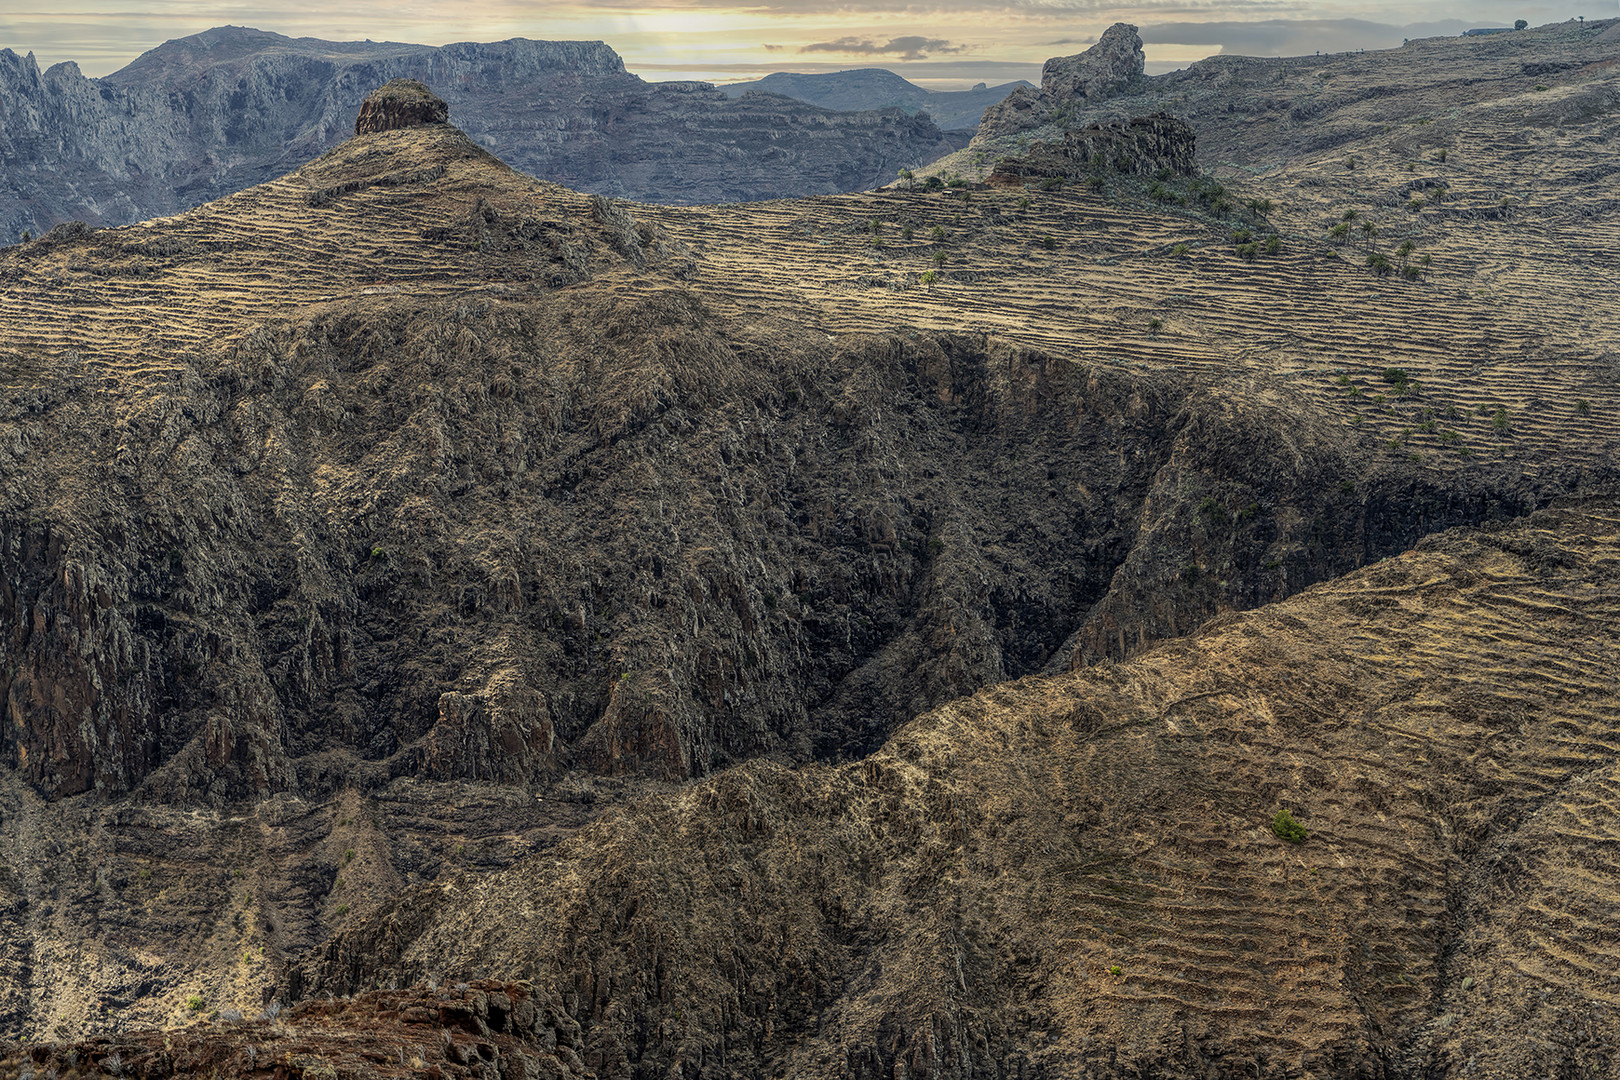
937,233
1248,251
1583,407
1499,420
1048,242
1051,183
1155,325
1286,828
195,1003
1180,249
1273,244
1242,236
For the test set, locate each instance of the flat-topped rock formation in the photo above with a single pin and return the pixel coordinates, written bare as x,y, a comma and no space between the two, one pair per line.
400,103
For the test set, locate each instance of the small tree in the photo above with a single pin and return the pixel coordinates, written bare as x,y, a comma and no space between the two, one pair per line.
908,178
1520,24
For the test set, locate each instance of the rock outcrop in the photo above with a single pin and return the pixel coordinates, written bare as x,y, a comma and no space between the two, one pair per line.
200,117
1145,146
1110,67
400,103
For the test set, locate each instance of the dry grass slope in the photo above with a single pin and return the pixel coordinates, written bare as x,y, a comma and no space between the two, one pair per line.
1076,876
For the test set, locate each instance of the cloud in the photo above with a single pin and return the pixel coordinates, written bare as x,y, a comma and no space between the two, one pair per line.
906,48
771,48
1071,41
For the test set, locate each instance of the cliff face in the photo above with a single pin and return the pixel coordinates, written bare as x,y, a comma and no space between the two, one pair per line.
1145,146
203,116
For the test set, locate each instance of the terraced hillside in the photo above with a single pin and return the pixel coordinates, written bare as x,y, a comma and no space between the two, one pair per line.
1080,875
381,526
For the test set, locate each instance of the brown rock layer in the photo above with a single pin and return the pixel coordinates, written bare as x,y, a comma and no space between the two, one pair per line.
400,103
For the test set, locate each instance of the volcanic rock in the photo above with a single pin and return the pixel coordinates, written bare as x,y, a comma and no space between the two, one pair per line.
1111,66
1145,146
400,103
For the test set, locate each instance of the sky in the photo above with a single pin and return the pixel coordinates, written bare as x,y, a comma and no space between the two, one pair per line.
943,44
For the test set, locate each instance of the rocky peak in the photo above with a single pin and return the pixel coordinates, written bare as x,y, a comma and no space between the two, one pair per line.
1115,61
1111,65
400,103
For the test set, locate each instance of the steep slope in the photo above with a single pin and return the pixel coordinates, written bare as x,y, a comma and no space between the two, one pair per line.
387,521
1079,875
204,116
877,88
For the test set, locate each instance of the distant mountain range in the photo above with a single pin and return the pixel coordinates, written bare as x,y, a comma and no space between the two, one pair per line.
877,88
207,115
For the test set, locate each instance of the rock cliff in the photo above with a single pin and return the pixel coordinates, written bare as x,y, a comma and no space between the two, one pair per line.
200,117
1157,145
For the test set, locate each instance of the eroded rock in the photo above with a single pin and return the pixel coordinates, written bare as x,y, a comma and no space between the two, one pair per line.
400,103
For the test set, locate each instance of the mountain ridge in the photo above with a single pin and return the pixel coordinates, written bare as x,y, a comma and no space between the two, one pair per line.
199,118
878,88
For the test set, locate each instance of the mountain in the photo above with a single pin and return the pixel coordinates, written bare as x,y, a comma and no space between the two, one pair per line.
201,117
863,634
877,88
